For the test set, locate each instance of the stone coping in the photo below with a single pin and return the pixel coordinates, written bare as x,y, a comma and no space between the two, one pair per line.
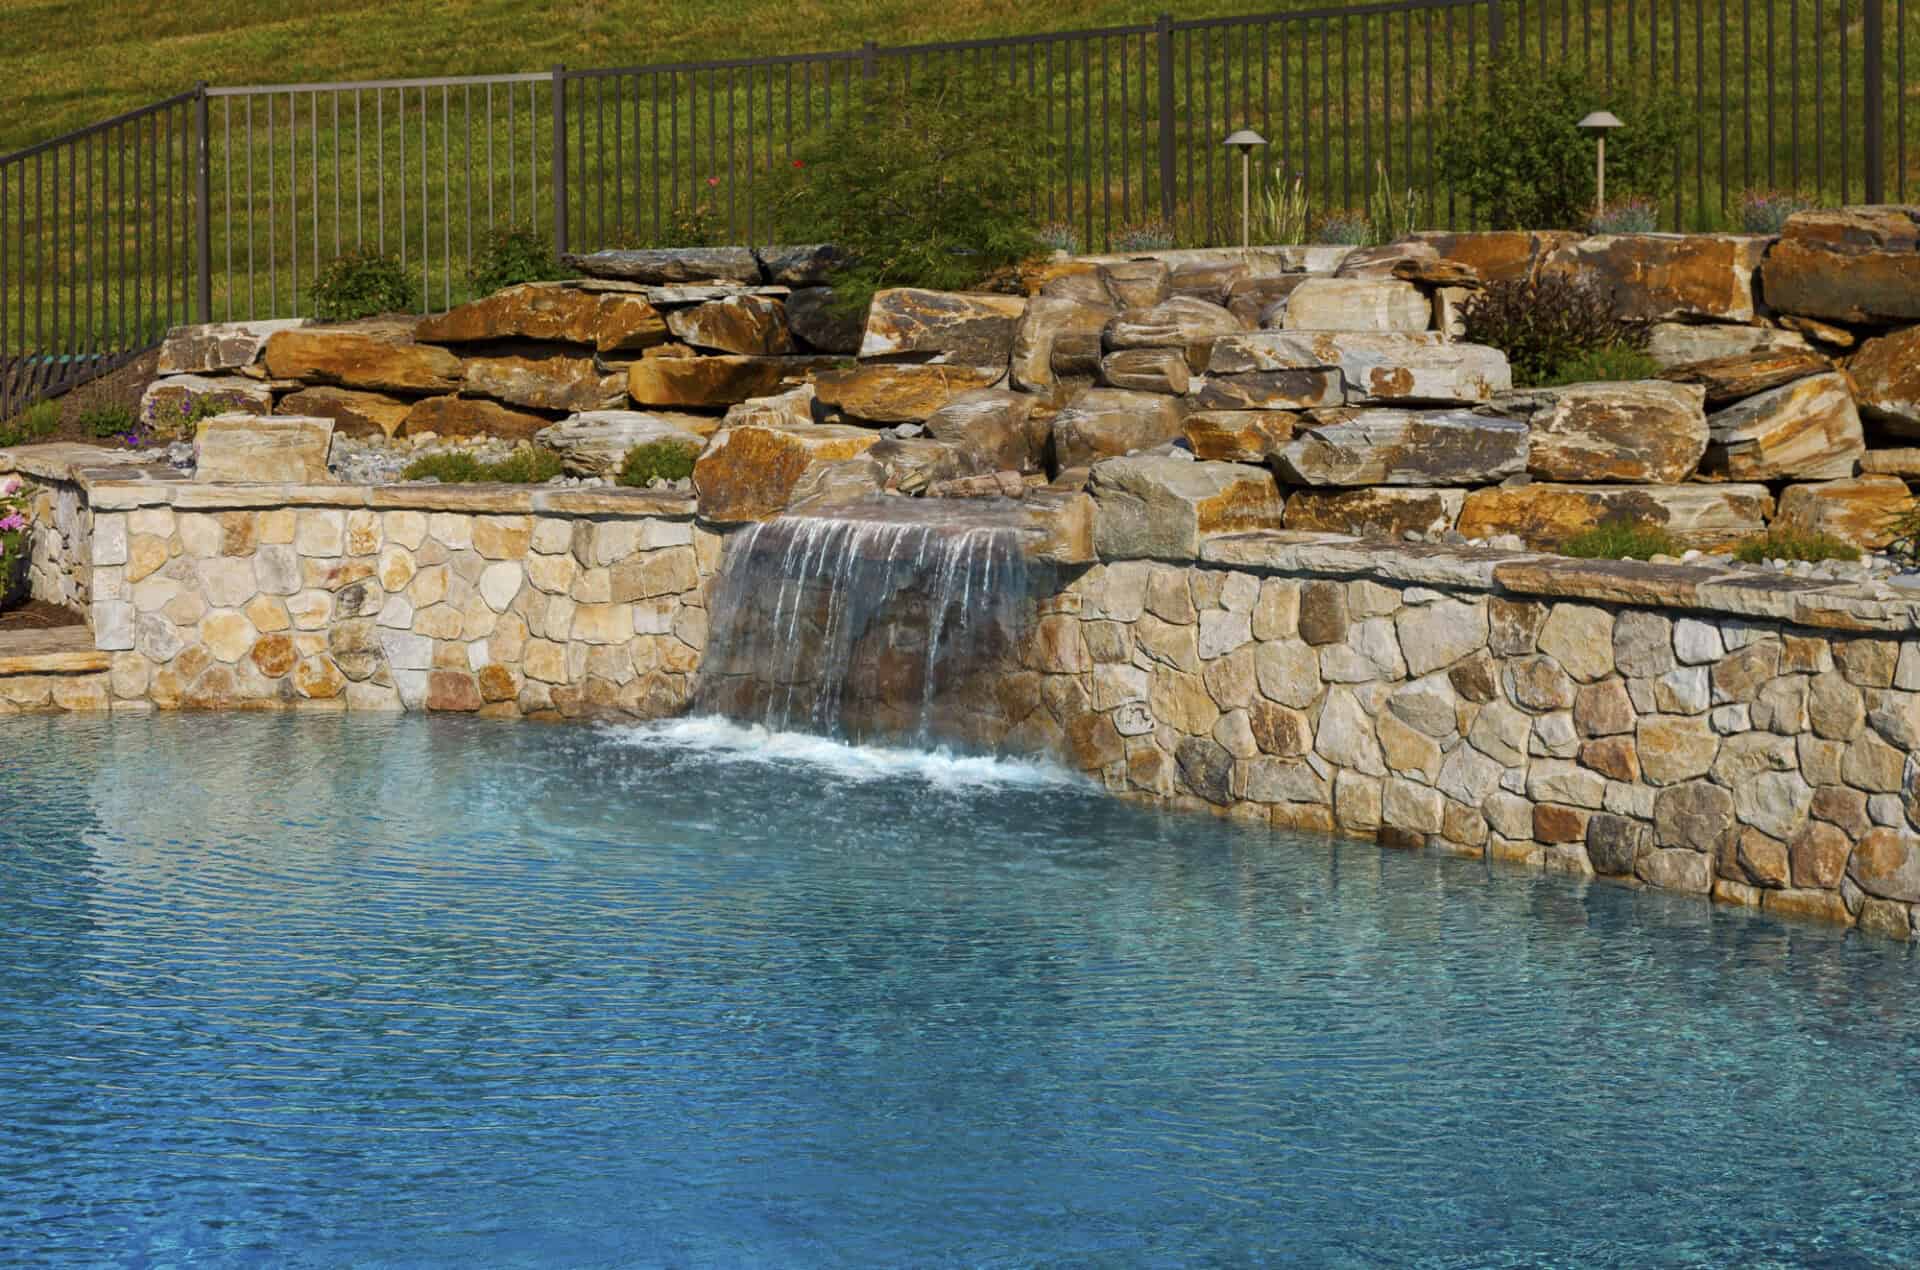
65,650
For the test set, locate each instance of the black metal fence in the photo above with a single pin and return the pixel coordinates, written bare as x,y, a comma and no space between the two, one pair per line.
226,203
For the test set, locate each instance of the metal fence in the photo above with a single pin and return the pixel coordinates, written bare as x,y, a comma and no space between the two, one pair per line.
226,203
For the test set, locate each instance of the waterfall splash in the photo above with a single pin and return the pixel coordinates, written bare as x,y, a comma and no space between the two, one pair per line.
877,619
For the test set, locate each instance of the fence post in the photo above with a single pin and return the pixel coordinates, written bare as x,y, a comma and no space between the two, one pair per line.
1163,40
559,160
202,213
868,59
1495,31
1872,102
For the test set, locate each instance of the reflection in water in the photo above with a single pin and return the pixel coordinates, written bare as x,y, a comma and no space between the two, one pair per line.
434,990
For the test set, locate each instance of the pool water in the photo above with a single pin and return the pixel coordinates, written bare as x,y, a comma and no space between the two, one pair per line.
430,991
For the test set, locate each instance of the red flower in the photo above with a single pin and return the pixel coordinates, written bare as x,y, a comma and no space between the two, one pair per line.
713,180
798,164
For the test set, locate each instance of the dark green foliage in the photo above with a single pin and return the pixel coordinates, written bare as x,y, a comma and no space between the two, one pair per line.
1615,362
35,423
665,460
109,420
508,257
1782,542
1621,539
455,467
363,284
1546,323
1515,152
928,184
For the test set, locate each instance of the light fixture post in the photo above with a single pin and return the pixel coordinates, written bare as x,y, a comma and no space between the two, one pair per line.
1600,122
1245,140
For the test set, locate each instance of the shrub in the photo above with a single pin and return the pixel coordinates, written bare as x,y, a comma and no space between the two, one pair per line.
695,221
663,460
1058,236
927,183
1546,322
1344,228
1600,365
1628,216
1783,542
1766,211
1149,235
513,255
1618,538
109,419
36,422
362,284
525,466
1514,149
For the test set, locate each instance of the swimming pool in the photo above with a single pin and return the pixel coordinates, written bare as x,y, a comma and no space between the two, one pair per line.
429,990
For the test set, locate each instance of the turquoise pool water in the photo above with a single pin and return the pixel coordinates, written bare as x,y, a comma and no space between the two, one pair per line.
430,991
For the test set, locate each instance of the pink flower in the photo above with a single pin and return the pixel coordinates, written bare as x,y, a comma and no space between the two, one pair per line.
713,180
12,521
10,486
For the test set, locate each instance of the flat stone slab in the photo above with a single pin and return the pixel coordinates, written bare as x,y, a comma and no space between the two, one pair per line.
62,650
671,265
1404,447
218,346
1376,368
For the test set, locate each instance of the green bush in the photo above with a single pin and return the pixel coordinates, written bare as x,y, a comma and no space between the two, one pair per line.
1600,365
1621,539
110,419
1546,324
1627,216
924,184
665,460
1345,228
1767,211
524,466
1783,542
363,284
1059,236
1146,236
35,423
1515,152
508,257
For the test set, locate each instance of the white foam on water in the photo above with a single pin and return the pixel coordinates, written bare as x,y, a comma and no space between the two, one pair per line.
712,737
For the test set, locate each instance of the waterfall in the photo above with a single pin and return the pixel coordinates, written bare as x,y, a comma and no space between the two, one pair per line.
883,618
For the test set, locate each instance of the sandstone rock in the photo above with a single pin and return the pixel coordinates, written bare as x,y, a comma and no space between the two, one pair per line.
1262,301
1852,264
1817,855
380,355
1238,436
1181,322
1269,390
996,425
1161,370
942,326
242,448
1402,447
1675,748
1164,508
1886,863
1409,368
1546,515
1110,422
167,403
715,381
749,473
1675,869
838,482
544,382
1138,284
912,464
669,265
469,417
1357,304
354,414
1856,510
1057,337
608,321
1729,379
818,324
1825,334
1616,432
1886,378
1680,344
1436,635
1497,255
1669,277
1385,512
218,346
1808,428
898,392
749,325
594,442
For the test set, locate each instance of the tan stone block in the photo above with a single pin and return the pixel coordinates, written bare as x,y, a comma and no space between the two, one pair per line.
438,621
275,655
429,586
310,610
227,634
603,623
129,675
80,693
277,526
406,529
451,530
317,678
363,532
502,537
146,553
545,661
321,532
199,534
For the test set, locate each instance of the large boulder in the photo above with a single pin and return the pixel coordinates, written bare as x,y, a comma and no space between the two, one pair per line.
1544,515
1181,322
996,425
749,325
1855,510
1404,447
1163,508
610,321
1807,429
1262,301
1730,379
714,381
595,442
1110,422
218,346
1680,344
749,473
354,413
1057,336
470,417
244,448
670,265
1504,255
1147,370
1383,512
1238,436
1886,378
1269,390
898,392
1357,304
1401,368
942,326
1853,264
380,355
1635,431
543,382
1668,277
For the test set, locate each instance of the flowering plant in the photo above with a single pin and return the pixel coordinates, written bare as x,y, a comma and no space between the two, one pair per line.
1766,211
1631,215
14,526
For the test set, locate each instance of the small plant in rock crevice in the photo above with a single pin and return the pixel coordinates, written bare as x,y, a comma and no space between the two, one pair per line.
657,460
1621,538
1614,363
35,423
1545,323
525,466
1784,542
170,419
111,421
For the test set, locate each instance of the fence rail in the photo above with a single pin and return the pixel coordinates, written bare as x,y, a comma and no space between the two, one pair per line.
226,202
